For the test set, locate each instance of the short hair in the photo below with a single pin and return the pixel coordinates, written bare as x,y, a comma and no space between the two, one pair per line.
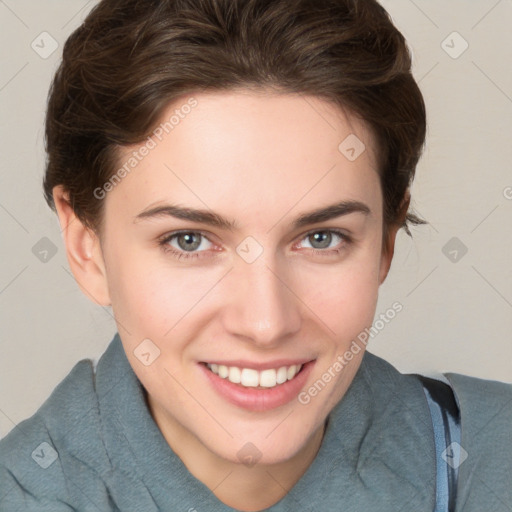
131,58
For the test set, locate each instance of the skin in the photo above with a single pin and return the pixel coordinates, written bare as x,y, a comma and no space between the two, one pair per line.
260,159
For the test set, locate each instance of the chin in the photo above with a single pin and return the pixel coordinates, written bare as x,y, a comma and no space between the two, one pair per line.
268,447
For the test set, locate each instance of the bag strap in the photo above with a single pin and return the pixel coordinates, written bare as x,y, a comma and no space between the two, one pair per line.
446,422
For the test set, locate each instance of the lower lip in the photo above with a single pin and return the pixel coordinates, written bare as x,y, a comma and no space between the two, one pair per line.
253,399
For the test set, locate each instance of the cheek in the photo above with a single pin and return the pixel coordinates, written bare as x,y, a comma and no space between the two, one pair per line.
151,297
344,298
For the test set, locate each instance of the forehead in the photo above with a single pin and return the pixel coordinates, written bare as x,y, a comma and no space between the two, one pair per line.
249,152
240,118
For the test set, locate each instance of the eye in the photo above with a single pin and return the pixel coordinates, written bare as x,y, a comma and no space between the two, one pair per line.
321,240
195,244
185,244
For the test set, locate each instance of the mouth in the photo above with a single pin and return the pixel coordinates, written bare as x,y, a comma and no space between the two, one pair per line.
257,390
252,378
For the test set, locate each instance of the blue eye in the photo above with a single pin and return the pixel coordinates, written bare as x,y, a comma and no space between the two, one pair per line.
194,244
188,242
322,238
320,241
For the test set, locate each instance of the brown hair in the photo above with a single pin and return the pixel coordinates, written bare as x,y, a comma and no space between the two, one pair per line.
130,58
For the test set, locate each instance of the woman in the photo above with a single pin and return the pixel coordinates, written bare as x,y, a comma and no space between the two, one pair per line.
230,177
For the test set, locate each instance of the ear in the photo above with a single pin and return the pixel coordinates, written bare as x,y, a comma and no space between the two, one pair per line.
83,251
388,245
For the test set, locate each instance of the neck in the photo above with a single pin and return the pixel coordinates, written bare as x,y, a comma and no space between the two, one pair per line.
242,487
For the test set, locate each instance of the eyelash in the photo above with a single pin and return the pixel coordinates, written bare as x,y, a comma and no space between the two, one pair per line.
164,243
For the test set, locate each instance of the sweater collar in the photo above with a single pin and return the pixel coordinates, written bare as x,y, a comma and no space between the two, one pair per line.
376,453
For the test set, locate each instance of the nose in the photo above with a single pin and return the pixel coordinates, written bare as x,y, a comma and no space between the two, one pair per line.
262,307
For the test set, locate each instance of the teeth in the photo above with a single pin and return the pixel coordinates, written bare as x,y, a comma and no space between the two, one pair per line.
235,375
292,370
223,371
282,375
251,378
268,378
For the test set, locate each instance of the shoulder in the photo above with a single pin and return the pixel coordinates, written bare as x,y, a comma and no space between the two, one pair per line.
485,472
485,466
487,402
485,408
52,458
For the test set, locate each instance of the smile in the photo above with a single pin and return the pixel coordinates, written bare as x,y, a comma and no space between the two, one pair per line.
251,378
260,389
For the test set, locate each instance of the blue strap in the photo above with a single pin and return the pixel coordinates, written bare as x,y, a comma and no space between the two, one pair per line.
446,422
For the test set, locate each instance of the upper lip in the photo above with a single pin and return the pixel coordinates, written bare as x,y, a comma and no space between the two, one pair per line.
278,363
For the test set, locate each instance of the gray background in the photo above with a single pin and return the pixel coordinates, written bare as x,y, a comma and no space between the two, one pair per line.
457,307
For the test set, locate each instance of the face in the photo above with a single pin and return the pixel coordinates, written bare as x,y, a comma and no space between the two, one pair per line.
254,286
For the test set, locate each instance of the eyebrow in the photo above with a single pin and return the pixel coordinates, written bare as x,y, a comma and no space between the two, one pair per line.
213,219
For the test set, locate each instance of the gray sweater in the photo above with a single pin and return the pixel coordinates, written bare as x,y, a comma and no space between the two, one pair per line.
93,446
